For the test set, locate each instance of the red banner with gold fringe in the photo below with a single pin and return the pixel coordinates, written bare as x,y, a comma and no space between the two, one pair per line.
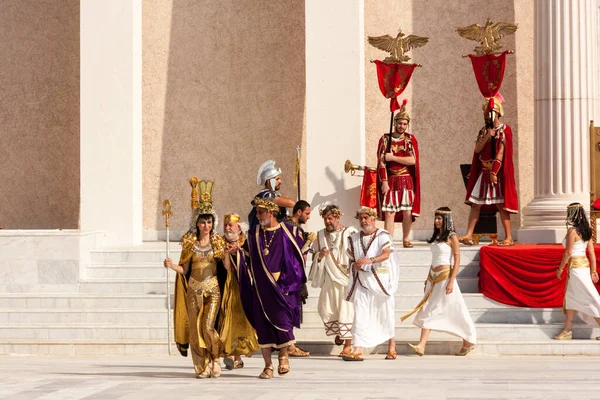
368,191
489,72
393,79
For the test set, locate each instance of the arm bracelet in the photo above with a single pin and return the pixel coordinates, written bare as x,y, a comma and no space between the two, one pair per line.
496,165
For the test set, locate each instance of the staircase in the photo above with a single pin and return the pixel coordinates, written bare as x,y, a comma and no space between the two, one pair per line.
120,308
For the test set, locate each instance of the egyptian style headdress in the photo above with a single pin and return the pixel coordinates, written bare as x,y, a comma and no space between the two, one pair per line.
202,202
448,222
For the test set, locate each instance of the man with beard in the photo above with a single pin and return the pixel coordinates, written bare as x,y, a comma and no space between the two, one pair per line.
330,272
301,215
398,179
245,341
492,175
270,287
269,178
372,286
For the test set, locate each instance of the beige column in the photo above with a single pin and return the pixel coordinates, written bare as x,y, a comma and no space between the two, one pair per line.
111,123
566,99
335,104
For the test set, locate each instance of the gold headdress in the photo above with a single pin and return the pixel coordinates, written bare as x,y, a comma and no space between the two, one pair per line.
402,114
333,209
231,217
265,204
202,202
371,212
496,106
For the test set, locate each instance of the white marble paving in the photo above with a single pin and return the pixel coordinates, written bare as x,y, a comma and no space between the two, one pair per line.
429,377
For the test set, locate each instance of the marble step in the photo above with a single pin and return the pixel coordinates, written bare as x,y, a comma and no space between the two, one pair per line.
127,271
490,315
317,349
416,285
312,332
17,301
84,316
124,285
407,331
406,301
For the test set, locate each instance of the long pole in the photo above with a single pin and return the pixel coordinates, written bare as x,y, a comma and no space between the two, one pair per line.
167,214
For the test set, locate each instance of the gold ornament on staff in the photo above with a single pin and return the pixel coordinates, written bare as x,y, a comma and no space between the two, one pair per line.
488,35
166,212
397,47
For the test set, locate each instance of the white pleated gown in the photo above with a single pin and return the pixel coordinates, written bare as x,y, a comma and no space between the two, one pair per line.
446,313
581,294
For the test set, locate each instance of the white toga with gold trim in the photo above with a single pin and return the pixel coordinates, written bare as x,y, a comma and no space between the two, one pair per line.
372,289
331,275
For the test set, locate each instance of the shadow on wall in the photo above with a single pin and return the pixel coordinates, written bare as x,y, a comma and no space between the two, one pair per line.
39,114
446,102
235,92
340,192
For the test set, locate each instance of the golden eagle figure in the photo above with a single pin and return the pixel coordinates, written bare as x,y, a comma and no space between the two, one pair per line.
488,35
397,47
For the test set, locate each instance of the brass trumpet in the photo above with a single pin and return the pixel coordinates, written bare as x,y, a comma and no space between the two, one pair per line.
351,168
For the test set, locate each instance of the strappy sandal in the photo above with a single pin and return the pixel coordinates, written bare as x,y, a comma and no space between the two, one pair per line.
506,243
353,357
232,363
416,349
204,374
238,364
564,335
465,350
346,352
267,372
283,369
298,352
407,244
391,355
465,240
216,372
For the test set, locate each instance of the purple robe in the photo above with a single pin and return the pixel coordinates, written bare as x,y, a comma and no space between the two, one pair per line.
273,307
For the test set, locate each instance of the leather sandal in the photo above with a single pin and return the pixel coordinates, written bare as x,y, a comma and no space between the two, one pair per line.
506,242
391,355
407,244
216,372
353,357
298,352
283,369
267,372
204,374
232,363
416,349
345,352
465,350
564,335
465,240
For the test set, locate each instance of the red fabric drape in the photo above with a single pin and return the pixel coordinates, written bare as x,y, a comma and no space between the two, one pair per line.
393,79
368,191
489,72
523,275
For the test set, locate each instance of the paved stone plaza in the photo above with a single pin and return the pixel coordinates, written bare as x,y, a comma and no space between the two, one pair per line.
433,377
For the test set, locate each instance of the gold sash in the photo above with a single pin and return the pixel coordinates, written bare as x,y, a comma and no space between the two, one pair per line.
399,172
440,278
579,262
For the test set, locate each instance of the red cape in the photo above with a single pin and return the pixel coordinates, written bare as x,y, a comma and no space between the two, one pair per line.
511,201
414,173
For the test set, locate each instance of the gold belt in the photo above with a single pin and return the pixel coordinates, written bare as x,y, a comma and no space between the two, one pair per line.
207,285
399,172
579,262
440,278
486,165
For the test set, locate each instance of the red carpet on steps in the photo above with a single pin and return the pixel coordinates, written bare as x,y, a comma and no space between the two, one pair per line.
524,275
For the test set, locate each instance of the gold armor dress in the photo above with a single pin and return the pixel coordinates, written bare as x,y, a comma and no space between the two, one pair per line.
197,304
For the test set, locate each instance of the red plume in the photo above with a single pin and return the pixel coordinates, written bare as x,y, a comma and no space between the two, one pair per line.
491,104
404,102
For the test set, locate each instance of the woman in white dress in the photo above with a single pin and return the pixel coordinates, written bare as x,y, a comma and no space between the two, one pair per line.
443,307
581,294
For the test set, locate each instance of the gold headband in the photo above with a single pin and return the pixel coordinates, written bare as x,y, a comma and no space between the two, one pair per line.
443,212
575,206
265,204
231,217
336,212
371,212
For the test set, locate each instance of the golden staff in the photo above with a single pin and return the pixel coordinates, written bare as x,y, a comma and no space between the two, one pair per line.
166,212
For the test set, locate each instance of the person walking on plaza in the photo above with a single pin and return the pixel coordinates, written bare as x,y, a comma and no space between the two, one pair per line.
443,307
372,285
581,294
330,272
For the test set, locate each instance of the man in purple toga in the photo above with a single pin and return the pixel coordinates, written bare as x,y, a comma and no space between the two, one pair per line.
270,285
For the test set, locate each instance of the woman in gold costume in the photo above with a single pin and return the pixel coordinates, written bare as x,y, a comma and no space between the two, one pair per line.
198,263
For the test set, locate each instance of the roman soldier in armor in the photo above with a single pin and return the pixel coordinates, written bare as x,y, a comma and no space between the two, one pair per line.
269,178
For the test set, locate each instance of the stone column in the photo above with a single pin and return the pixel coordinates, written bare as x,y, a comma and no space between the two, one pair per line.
111,119
566,99
335,104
